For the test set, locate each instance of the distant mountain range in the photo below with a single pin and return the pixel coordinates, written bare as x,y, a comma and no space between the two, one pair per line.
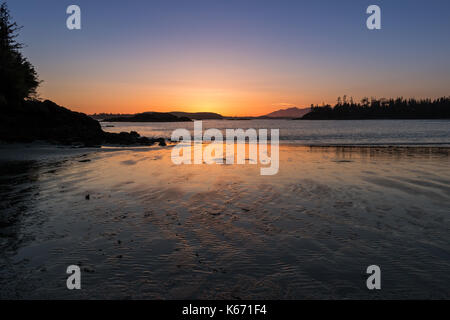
156,116
148,117
290,113
293,112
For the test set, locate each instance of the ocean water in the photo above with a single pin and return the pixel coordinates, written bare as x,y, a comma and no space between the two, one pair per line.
321,132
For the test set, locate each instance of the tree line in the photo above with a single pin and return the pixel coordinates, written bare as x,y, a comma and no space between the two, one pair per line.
399,108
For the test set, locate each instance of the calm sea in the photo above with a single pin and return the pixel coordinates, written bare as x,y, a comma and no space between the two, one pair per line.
326,132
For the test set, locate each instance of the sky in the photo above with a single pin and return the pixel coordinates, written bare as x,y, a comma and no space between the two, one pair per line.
234,57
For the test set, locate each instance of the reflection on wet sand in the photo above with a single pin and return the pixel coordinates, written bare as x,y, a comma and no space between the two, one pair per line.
151,229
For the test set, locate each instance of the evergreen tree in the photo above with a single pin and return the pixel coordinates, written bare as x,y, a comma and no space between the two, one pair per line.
18,78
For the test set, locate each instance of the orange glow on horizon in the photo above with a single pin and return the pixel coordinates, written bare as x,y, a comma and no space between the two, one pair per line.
101,99
197,83
224,83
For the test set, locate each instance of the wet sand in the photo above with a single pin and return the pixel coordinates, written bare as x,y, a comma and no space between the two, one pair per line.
154,230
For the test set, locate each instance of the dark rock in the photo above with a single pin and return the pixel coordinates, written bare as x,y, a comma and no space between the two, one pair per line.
132,138
36,120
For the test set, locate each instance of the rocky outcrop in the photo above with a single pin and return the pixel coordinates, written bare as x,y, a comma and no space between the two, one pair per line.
46,121
132,138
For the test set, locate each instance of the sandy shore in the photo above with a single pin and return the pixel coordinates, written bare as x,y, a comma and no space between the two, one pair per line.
151,229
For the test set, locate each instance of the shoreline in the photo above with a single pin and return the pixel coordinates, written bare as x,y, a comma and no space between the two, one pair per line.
43,151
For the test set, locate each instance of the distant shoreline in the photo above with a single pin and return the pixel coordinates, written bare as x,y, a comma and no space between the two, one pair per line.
382,109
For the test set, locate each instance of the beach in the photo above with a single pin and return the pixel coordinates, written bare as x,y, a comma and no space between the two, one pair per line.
140,226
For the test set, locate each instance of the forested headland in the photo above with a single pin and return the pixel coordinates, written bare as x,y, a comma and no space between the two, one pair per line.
399,108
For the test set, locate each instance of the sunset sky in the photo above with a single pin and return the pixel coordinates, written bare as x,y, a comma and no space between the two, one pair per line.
233,57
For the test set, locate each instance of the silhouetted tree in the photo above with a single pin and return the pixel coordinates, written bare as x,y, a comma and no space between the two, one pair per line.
398,108
18,78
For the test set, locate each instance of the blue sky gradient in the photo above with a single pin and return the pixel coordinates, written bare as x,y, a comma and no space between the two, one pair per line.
236,57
